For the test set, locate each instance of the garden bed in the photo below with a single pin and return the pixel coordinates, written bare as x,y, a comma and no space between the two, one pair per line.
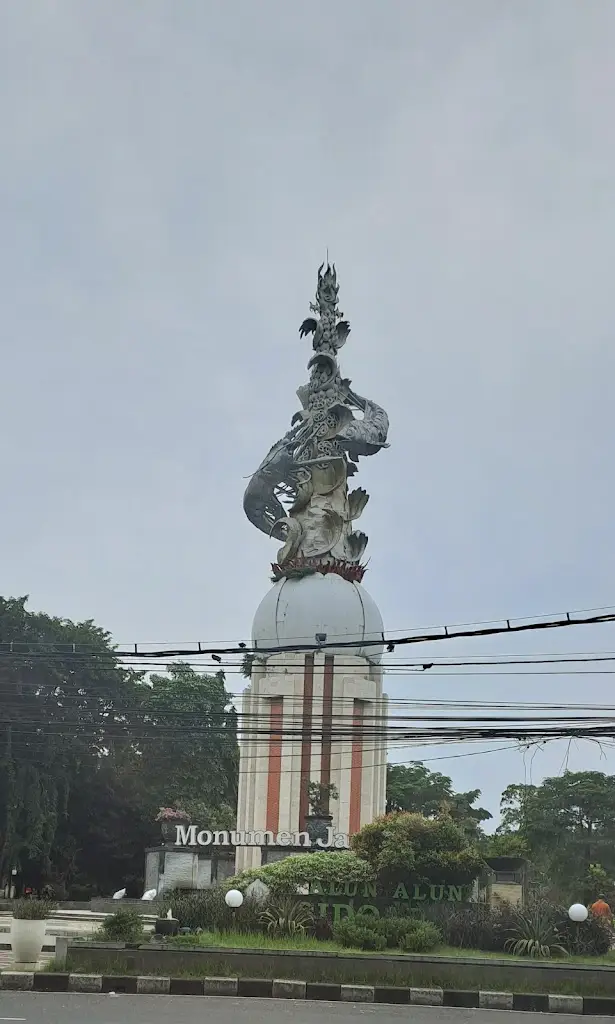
340,967
252,940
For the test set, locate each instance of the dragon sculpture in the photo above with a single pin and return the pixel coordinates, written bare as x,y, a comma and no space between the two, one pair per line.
299,494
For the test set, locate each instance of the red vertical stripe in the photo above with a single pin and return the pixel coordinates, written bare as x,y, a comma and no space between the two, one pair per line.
275,765
356,768
306,741
327,721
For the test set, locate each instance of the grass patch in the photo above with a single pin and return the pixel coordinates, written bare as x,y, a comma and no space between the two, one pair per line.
254,940
588,961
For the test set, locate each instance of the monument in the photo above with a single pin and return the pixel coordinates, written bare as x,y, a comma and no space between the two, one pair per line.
320,706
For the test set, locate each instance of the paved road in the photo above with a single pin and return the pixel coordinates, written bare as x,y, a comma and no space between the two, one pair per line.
58,1008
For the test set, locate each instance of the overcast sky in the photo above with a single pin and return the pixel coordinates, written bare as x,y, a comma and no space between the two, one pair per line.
171,173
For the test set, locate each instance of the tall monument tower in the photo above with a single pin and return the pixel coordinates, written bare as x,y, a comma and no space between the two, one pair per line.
319,713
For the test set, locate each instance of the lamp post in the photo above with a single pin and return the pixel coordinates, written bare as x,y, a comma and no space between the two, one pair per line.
233,899
578,913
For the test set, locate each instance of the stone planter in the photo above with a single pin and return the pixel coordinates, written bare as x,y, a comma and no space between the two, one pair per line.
316,826
27,939
166,926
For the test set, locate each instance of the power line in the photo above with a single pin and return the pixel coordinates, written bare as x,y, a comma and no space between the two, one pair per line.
379,764
390,669
512,625
507,728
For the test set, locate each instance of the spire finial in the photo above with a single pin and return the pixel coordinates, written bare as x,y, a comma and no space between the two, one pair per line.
300,492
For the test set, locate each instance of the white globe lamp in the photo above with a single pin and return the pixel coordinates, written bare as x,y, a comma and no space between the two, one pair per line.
233,898
577,912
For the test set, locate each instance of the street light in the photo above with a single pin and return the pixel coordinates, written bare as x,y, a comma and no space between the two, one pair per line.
233,898
578,913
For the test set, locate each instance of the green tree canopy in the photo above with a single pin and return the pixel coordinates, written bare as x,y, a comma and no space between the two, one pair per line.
505,844
568,824
187,741
89,750
57,715
417,789
431,850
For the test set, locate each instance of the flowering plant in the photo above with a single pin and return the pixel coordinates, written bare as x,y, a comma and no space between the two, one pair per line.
171,814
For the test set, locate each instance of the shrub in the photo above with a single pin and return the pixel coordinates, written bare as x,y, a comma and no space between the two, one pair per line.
395,928
352,935
123,926
33,910
422,938
288,917
593,937
429,849
322,929
206,910
535,934
284,877
371,940
474,927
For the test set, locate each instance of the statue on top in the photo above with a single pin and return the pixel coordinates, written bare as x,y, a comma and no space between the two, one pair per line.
299,494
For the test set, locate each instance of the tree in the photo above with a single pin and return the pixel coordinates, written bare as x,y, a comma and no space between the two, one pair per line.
57,716
505,844
100,842
246,664
187,742
415,788
430,850
568,823
89,751
319,795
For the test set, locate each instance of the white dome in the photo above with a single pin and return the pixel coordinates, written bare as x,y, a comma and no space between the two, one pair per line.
294,611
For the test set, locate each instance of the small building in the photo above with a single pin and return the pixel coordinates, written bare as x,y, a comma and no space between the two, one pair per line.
508,880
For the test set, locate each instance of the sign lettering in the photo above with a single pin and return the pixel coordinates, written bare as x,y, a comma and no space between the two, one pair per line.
189,835
339,900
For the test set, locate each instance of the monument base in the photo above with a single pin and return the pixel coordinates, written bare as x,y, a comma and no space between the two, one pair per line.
167,868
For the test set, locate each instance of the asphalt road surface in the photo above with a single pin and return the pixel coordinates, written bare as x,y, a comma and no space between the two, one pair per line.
69,1008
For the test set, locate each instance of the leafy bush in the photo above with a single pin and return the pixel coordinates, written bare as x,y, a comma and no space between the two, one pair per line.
474,927
33,910
535,934
206,910
491,928
123,926
395,928
371,940
430,849
288,917
284,877
203,909
593,937
392,930
322,929
352,935
421,939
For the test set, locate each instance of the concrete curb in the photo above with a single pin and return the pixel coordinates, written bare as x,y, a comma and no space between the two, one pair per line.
282,988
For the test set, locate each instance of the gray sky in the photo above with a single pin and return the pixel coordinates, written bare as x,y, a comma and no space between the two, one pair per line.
171,173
